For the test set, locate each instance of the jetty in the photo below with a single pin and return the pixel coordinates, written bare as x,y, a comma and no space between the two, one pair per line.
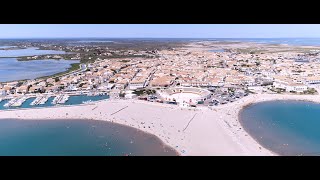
40,100
60,99
96,93
16,102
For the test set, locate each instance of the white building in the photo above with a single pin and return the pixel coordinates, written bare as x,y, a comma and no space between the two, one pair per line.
137,83
184,94
256,89
3,92
130,96
297,87
312,80
109,86
71,87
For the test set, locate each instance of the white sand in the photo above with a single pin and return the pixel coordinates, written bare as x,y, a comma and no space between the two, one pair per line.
211,132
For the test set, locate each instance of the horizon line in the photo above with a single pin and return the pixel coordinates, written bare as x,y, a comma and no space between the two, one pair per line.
154,37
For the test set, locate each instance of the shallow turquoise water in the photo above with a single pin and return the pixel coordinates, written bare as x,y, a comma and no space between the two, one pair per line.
76,138
285,127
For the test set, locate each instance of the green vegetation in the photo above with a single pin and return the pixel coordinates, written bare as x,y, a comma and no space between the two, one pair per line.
74,67
56,79
141,92
232,90
122,95
250,51
19,84
298,71
277,90
124,61
248,91
245,65
310,91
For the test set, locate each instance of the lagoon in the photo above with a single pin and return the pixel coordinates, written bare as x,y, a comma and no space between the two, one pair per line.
5,47
32,51
217,50
11,69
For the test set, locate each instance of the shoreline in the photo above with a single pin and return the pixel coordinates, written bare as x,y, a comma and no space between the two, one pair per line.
106,123
192,132
260,98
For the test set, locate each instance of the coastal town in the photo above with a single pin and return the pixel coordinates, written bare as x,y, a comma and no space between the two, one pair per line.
160,90
207,73
189,94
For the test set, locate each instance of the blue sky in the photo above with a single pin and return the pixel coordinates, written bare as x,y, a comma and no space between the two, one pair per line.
159,30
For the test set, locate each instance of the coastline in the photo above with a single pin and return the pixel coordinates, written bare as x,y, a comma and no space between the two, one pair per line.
192,132
259,98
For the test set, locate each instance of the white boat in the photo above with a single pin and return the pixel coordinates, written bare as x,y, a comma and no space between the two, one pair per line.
56,99
40,100
10,102
44,100
60,99
64,99
90,94
35,101
19,102
87,102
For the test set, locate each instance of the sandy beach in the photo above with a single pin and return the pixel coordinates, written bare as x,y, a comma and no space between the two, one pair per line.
192,132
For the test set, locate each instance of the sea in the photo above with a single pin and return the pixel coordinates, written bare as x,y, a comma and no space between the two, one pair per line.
289,128
20,137
290,41
287,41
284,127
76,137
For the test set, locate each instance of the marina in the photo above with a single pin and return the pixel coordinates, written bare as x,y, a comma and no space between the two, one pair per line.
60,99
49,101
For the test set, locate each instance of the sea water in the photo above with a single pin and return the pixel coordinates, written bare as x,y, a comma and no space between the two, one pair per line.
76,138
284,127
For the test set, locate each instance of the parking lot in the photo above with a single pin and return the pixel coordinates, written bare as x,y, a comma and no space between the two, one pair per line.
223,96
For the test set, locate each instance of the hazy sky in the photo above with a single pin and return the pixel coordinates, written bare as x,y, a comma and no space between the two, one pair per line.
159,30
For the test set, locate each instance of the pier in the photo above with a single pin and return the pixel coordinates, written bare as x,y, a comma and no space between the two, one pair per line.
16,102
60,99
40,100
